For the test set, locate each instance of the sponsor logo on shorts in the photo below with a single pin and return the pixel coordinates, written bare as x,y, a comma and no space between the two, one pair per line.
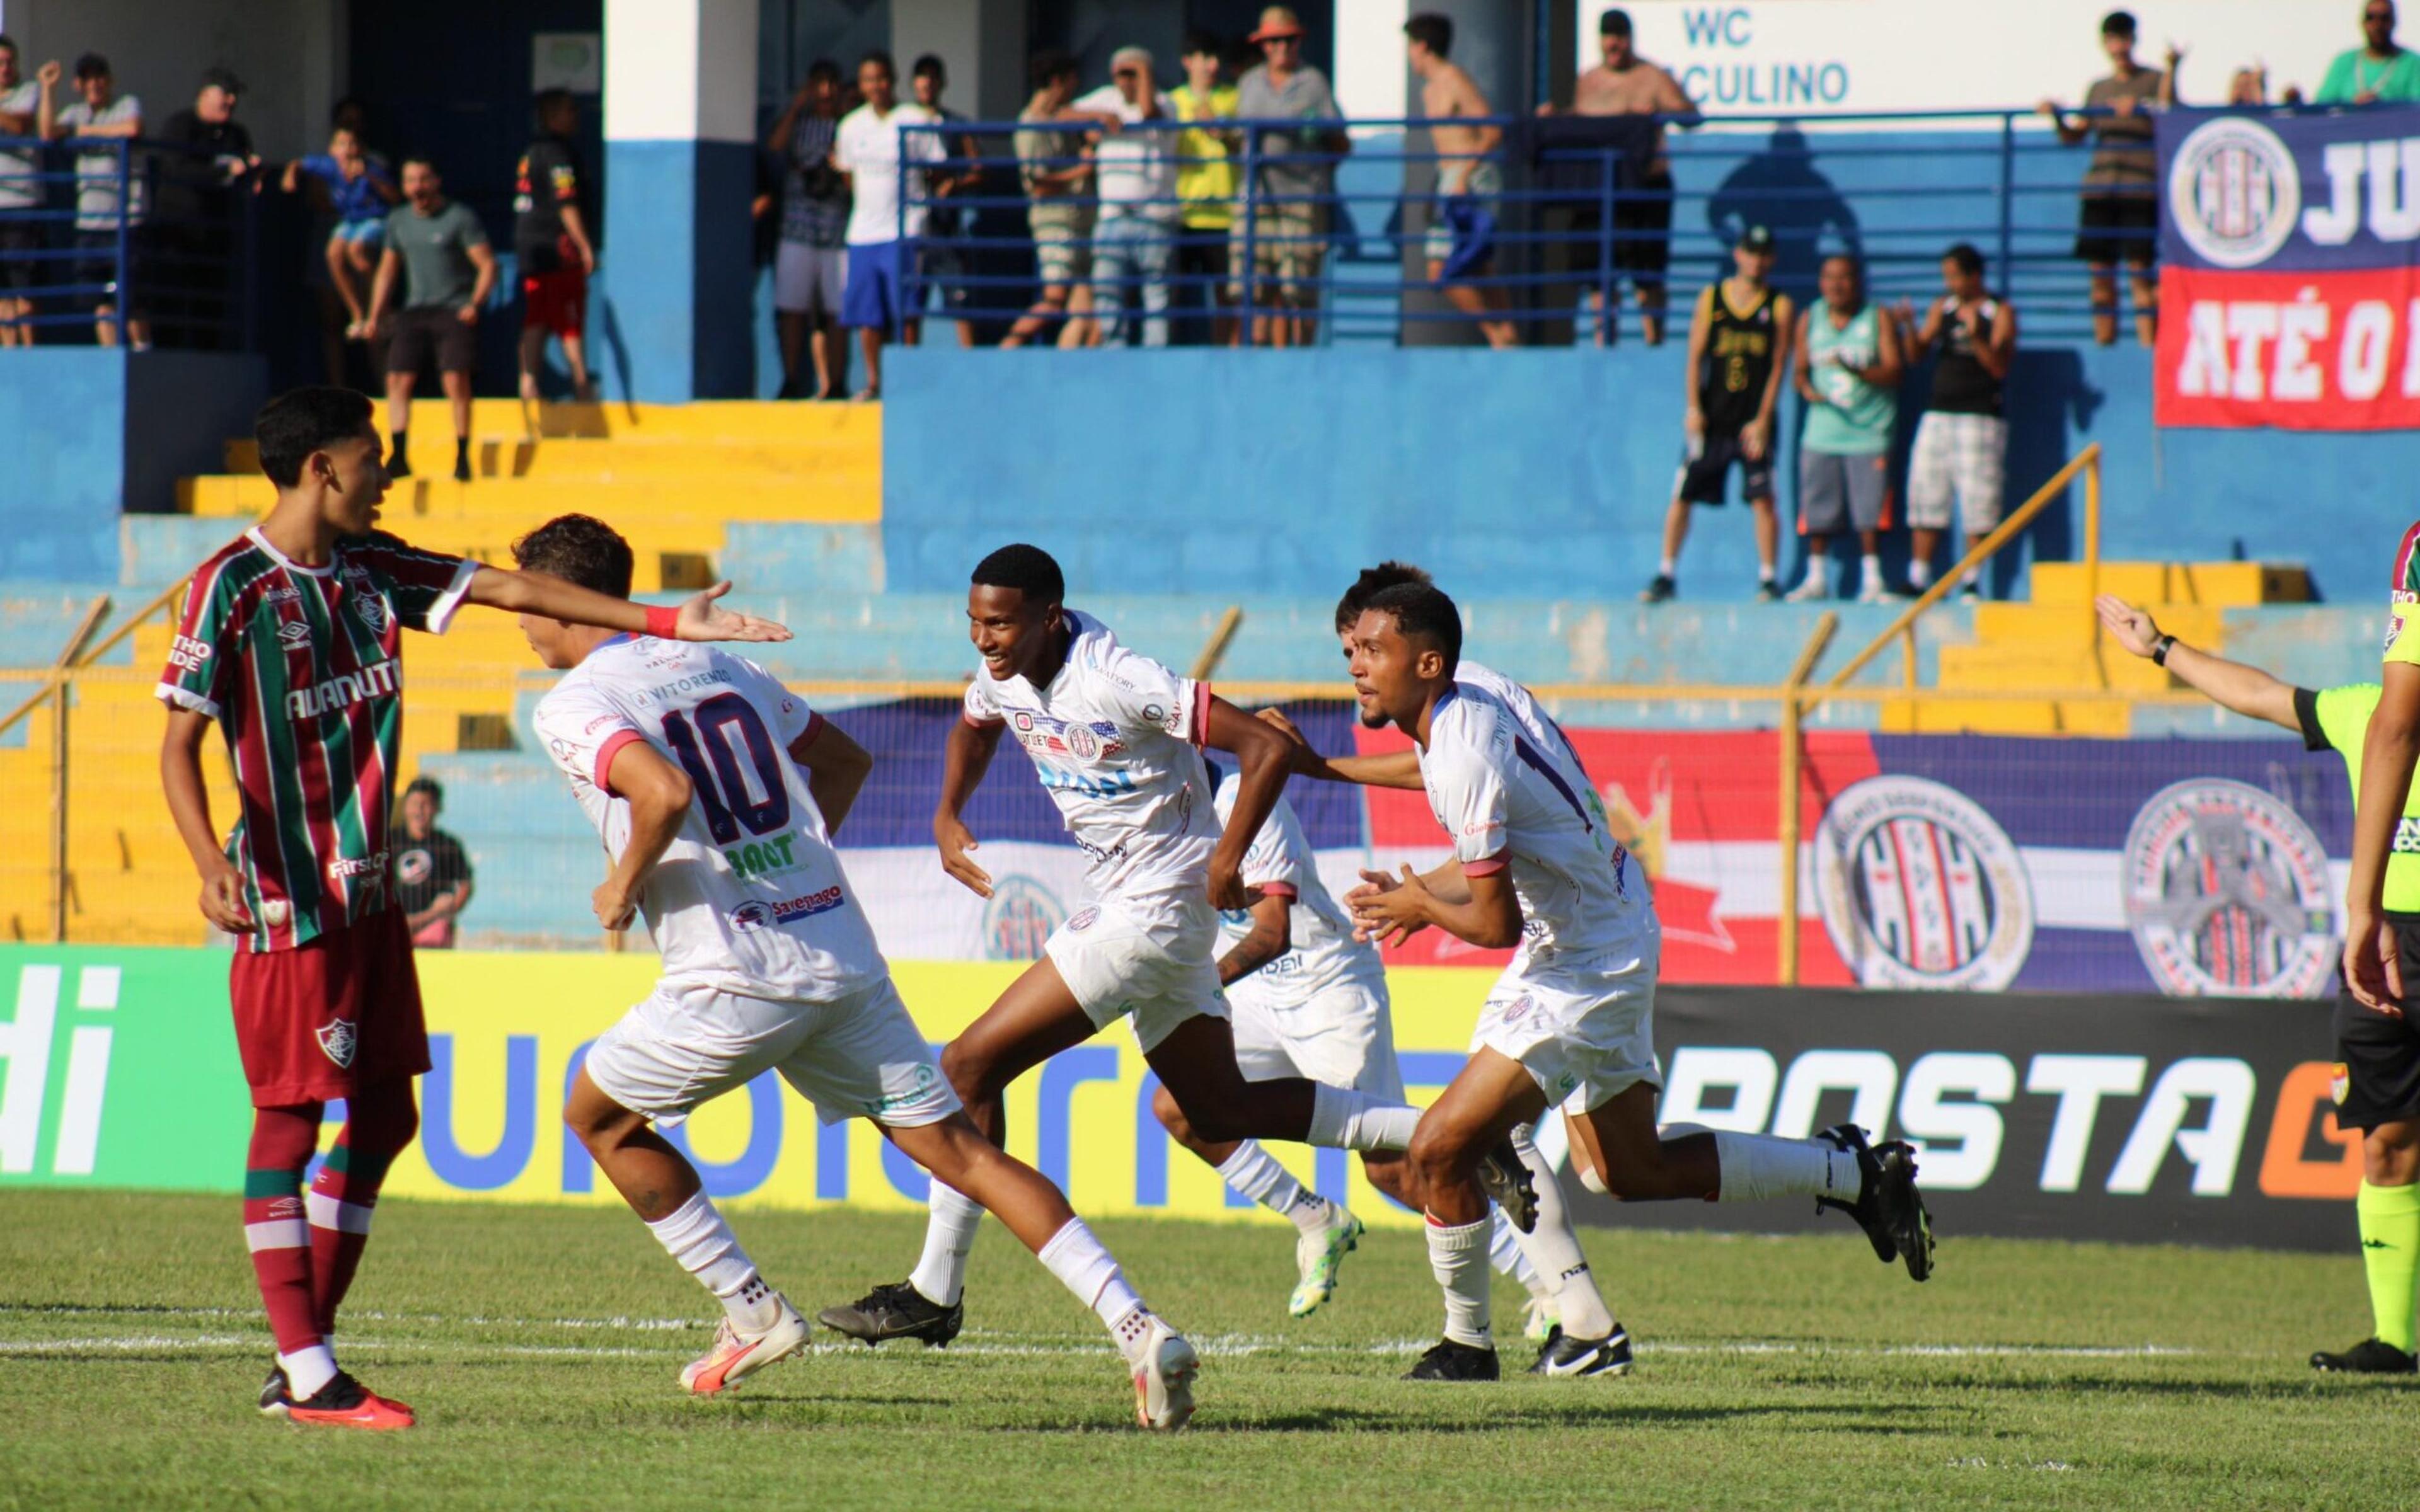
1018,918
338,1040
188,653
920,1087
1517,1009
757,914
1921,888
1083,918
2339,1082
2227,892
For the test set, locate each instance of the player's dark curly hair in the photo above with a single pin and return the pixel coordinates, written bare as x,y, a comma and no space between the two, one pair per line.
302,421
1029,569
578,549
1373,581
1423,613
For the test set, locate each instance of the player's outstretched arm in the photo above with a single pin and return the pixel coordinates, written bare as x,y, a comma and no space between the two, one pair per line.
698,618
1394,769
2388,753
837,767
1271,936
2231,684
1262,759
1482,910
189,804
659,796
965,757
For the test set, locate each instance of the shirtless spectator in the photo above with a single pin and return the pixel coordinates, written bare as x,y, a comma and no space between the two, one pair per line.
1625,84
1462,227
1056,167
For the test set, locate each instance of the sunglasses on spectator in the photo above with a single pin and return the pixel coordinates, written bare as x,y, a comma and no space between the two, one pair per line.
1126,73
1281,41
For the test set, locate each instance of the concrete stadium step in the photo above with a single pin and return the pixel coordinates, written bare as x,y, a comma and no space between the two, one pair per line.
2153,584
2072,625
695,495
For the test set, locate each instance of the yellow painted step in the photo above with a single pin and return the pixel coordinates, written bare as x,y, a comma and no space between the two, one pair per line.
2045,669
2003,717
592,460
710,420
517,504
2071,626
2218,585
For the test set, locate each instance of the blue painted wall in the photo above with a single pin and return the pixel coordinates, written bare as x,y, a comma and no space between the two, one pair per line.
675,308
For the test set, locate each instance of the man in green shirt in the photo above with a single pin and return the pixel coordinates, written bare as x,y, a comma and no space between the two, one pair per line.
2376,70
2379,1080
438,250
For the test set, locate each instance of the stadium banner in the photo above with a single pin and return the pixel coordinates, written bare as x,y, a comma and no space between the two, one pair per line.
2044,1115
2289,271
1957,862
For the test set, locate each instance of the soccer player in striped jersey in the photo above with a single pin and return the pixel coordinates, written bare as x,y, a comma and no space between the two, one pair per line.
716,791
1570,1023
289,640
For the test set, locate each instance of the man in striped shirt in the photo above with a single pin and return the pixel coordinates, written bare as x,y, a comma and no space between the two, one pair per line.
289,640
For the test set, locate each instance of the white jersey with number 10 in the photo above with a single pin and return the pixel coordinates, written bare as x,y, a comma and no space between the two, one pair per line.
750,898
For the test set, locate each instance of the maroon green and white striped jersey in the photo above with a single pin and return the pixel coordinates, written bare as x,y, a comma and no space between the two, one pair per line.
301,668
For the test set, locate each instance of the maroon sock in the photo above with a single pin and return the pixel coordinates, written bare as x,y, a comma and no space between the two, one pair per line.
274,1226
379,1122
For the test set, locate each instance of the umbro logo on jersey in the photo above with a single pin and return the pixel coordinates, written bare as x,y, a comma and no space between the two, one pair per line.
294,632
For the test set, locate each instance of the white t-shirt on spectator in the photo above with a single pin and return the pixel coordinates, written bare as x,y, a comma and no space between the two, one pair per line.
868,148
97,172
18,190
1136,170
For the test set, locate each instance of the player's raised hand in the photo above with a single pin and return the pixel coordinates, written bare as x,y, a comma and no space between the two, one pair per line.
221,901
955,840
703,619
2131,627
2373,966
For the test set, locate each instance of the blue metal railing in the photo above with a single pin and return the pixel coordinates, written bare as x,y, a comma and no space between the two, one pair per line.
171,247
1894,188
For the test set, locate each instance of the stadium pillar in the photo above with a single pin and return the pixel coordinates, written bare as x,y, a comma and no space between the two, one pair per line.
680,116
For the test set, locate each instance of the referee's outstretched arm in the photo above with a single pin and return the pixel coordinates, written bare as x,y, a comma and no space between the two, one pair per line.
2231,684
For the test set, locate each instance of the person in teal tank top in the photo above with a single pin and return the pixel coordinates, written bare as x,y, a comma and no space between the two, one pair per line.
1847,372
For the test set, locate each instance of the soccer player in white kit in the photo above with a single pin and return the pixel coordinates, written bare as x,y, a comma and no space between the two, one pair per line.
1116,739
1570,1023
1307,999
716,791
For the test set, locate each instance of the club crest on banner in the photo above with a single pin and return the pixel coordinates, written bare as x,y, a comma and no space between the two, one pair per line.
2234,193
2227,893
1921,888
1017,917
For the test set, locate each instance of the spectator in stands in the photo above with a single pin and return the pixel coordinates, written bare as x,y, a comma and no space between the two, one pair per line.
1847,370
1624,83
1285,220
1056,167
100,111
948,223
355,190
438,250
1739,349
432,875
811,268
1461,243
1205,185
2378,70
2122,207
886,212
212,162
552,244
1961,443
21,193
1136,238
2248,86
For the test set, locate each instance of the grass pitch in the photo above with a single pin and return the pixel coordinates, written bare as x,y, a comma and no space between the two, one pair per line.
540,1346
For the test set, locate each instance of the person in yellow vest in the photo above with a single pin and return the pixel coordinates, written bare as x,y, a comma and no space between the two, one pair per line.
1205,182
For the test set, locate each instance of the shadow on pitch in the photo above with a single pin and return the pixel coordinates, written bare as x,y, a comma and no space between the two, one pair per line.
1501,1414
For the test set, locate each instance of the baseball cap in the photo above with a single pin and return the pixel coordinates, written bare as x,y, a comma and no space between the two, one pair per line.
1756,238
1276,20
1614,24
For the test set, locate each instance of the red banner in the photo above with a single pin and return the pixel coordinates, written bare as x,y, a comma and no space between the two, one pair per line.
2307,350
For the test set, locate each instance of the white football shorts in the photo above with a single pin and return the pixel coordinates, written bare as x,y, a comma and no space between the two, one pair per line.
1344,1036
857,1057
1160,969
1584,1031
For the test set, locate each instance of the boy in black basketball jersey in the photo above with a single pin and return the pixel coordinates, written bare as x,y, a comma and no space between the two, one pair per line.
1739,347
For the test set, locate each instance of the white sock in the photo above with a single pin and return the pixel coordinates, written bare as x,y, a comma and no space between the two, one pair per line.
1458,1257
940,1274
1919,573
1256,1174
1554,1247
1084,1268
1670,567
1344,1119
696,1237
1504,1253
307,1370
1870,571
1756,1166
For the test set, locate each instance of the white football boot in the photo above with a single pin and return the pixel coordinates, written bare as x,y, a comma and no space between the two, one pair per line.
737,1355
1164,1365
